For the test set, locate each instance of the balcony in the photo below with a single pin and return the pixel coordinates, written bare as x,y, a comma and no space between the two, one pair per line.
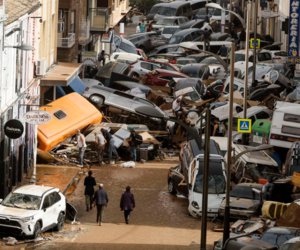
99,19
66,42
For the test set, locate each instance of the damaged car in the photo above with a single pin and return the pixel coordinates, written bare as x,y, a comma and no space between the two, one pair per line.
245,200
32,209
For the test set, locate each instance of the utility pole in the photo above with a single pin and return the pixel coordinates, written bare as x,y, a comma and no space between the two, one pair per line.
255,43
226,232
244,136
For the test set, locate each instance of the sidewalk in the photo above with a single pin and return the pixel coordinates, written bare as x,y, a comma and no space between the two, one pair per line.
60,176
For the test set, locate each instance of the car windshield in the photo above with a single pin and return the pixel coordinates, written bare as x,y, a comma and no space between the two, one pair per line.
244,192
166,11
24,201
165,21
216,179
239,57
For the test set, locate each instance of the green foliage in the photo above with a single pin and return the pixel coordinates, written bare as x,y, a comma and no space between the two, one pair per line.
143,5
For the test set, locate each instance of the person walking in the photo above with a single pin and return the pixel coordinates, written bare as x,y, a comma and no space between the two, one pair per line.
127,203
81,144
100,142
101,201
89,183
111,145
134,141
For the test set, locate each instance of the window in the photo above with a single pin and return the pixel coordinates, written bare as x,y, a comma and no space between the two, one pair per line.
147,66
47,202
60,114
291,118
55,197
290,130
262,115
264,56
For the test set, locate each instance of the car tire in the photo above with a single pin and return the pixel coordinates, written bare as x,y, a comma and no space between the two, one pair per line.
135,75
37,230
60,222
171,187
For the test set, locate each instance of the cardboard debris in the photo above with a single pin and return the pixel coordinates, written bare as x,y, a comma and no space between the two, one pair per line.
291,216
147,138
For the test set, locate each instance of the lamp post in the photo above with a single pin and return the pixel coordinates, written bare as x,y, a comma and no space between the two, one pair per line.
193,133
25,47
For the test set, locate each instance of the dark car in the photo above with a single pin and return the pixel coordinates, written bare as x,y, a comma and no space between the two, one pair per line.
192,34
196,70
278,235
245,200
176,182
168,48
196,23
147,41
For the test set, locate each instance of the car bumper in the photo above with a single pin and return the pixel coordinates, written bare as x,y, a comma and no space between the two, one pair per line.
234,213
13,227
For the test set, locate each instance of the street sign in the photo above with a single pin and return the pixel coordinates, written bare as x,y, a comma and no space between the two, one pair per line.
244,125
13,129
253,43
37,117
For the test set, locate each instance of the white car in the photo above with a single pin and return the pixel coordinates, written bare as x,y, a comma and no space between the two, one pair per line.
140,68
32,209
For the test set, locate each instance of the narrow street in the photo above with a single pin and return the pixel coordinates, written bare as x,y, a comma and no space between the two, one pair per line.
160,220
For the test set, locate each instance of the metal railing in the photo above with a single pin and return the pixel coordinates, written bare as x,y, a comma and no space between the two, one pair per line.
66,42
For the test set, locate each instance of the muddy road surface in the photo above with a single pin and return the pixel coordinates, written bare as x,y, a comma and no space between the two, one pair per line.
159,221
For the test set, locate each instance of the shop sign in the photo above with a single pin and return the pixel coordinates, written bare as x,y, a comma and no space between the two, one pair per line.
13,129
293,50
37,117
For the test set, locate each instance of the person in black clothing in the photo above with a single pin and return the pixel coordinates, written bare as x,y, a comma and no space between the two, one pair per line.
127,203
89,183
101,57
134,141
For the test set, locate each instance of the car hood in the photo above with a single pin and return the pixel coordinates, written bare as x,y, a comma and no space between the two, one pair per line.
13,212
243,203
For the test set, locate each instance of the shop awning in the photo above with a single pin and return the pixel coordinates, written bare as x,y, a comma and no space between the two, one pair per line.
60,74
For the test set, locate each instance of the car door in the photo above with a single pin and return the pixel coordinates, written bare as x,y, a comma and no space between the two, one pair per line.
146,67
48,211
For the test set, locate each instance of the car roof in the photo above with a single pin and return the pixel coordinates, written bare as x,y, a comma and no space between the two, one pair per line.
36,190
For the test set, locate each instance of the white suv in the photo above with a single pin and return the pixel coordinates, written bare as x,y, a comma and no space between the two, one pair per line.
32,209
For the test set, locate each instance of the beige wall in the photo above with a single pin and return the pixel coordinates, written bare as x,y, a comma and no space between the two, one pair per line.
48,31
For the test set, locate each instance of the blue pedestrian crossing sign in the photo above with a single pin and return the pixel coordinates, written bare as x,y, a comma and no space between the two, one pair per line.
244,126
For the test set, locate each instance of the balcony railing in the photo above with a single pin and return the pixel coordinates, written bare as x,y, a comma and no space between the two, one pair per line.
99,19
66,42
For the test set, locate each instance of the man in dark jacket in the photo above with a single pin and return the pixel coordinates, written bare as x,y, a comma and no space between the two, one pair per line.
101,200
89,183
127,203
134,141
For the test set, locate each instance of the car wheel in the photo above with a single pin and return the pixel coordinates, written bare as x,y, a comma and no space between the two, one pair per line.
37,230
135,75
60,222
171,187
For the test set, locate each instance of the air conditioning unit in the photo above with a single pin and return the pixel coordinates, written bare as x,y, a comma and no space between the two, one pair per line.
40,67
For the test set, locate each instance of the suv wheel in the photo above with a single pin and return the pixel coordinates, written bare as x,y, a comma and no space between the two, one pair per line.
171,187
60,222
37,230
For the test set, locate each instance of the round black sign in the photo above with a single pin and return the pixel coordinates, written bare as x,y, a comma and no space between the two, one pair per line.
13,129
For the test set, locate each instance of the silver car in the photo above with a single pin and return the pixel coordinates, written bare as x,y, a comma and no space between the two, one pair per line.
102,96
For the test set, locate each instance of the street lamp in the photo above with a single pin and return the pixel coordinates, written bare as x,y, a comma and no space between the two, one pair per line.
193,133
22,46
